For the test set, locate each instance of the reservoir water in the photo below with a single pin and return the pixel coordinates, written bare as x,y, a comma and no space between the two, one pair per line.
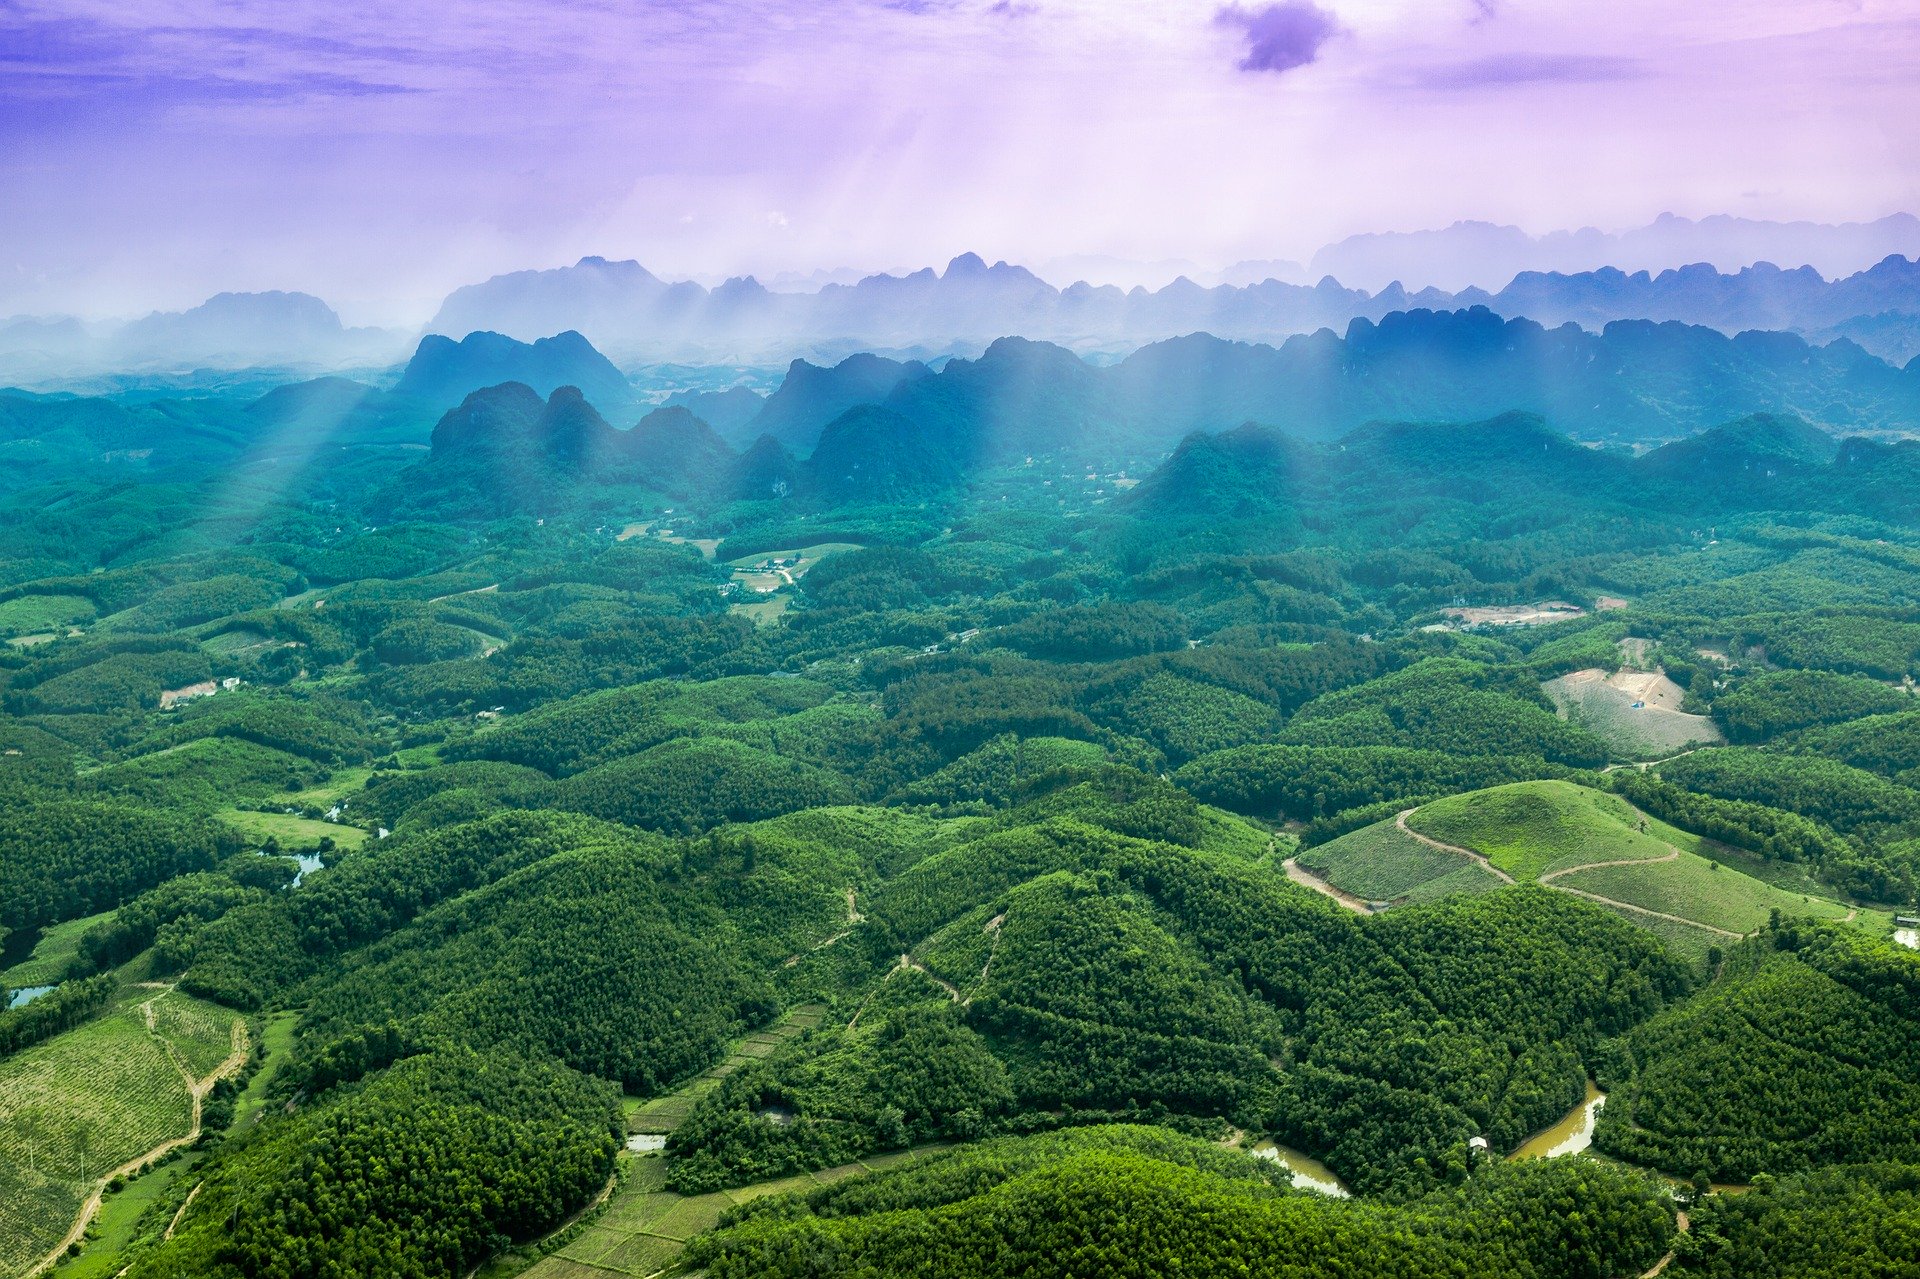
26,995
1308,1173
1907,937
1574,1133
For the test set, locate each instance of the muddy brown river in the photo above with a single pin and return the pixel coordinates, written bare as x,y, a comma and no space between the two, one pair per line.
1572,1134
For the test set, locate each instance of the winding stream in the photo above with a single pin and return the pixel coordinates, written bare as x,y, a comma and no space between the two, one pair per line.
1573,1133
1308,1173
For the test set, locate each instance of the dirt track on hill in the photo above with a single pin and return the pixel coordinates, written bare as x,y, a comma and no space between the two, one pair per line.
1307,879
1489,867
1672,854
197,1090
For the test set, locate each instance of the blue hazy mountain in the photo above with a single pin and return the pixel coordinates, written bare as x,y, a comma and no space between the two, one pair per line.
443,372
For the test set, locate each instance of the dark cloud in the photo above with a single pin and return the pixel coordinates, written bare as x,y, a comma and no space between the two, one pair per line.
1280,37
1014,9
1534,68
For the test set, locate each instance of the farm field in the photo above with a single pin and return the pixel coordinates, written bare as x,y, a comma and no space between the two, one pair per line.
1381,862
200,1032
1694,888
1531,829
1688,889
1604,705
94,1099
52,952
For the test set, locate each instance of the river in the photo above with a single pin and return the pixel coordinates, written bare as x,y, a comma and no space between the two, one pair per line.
1573,1133
1308,1173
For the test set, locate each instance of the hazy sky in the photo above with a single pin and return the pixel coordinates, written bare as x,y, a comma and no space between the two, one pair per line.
155,151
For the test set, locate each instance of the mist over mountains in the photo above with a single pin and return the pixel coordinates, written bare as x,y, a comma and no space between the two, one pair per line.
873,429
1858,281
634,315
1483,254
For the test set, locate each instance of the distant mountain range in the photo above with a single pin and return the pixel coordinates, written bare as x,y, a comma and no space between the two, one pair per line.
292,332
635,316
870,428
1483,254
1858,281
506,450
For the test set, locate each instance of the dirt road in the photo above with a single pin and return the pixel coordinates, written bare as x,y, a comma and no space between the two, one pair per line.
197,1090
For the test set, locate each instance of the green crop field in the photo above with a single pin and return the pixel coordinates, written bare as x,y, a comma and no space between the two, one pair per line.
54,950
1381,862
200,1032
72,1108
1692,887
1530,829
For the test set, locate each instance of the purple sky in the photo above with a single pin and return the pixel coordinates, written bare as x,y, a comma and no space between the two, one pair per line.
380,153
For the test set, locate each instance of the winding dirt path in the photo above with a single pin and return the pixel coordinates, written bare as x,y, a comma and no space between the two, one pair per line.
853,917
1667,1260
909,962
1307,879
197,1090
1489,867
1642,910
1672,854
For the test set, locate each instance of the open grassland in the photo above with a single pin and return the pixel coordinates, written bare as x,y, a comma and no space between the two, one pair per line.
762,612
32,613
56,948
291,831
1597,845
132,1216
345,783
1604,705
1381,862
1531,829
807,557
276,1044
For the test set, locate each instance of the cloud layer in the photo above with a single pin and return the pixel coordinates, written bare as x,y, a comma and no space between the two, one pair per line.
381,154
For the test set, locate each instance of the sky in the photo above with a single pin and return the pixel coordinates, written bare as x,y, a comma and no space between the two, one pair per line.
381,154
